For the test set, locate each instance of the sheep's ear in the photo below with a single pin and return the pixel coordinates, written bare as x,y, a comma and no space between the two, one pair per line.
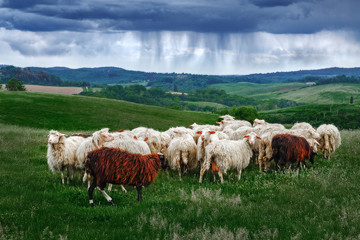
176,131
135,137
146,139
247,136
218,123
258,137
222,122
316,142
199,132
212,132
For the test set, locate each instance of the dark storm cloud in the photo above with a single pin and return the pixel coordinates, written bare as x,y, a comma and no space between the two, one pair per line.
273,3
274,16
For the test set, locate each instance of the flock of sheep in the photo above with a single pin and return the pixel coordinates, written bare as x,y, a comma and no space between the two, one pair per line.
229,145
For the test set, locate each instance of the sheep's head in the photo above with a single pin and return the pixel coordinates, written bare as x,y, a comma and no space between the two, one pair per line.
193,125
227,117
163,162
258,122
251,138
105,135
314,134
55,137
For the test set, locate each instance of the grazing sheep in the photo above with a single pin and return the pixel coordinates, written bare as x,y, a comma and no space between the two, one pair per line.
197,127
165,141
258,122
153,136
61,152
123,135
204,140
172,131
182,152
329,139
96,141
116,166
223,155
265,149
227,117
234,124
291,149
302,125
132,145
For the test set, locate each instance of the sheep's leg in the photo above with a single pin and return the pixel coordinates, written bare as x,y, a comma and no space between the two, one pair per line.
68,175
123,188
202,171
62,177
261,160
110,187
90,191
239,174
139,188
108,198
179,169
221,176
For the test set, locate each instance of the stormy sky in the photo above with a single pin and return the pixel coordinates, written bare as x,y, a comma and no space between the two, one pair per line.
203,36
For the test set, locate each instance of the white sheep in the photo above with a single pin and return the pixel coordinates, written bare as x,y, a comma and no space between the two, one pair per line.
258,122
227,117
165,141
96,141
123,134
61,152
223,155
182,152
204,140
234,124
196,127
153,138
302,125
172,132
330,139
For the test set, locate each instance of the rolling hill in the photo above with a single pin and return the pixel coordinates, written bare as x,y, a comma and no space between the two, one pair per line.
321,201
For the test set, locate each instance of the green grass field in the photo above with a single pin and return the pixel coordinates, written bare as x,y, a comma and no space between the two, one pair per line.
319,203
51,111
255,90
338,93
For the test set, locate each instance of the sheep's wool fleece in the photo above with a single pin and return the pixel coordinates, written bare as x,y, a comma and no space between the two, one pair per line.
229,154
62,154
117,166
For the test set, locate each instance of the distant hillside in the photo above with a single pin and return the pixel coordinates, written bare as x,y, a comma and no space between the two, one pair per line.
183,81
36,77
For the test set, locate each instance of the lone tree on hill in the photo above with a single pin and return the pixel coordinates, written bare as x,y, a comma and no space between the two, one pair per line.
351,100
15,85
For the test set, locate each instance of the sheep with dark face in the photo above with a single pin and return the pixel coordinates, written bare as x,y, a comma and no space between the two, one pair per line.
289,149
116,166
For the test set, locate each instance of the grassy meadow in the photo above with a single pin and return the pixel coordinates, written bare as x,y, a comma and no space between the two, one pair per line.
321,202
338,93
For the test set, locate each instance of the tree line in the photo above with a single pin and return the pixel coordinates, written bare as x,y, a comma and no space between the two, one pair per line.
28,76
159,97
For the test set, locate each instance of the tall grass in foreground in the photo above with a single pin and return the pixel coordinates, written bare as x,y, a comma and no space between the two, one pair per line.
319,203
